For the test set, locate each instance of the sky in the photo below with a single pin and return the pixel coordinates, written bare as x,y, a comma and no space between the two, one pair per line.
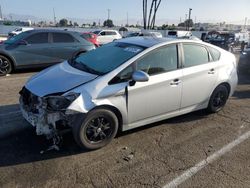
170,11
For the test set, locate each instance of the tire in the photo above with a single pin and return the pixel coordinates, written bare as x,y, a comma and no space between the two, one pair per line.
97,130
5,66
218,99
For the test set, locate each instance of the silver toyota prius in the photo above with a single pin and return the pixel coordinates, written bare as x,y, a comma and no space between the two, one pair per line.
127,84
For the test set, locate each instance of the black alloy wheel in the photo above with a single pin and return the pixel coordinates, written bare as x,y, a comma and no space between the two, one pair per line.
218,99
5,66
98,129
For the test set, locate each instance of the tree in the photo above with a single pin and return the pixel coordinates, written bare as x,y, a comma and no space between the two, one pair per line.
76,24
63,22
94,24
108,23
70,23
149,22
186,22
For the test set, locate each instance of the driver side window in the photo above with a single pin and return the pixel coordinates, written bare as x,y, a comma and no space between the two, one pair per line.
161,60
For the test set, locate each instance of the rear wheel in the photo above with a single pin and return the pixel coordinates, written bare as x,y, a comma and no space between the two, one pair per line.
5,66
218,99
97,130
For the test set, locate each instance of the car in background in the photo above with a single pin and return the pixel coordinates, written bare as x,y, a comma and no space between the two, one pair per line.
91,37
179,34
19,30
37,48
145,33
107,36
127,84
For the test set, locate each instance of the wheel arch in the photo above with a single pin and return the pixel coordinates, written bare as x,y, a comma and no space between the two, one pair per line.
227,85
11,59
115,111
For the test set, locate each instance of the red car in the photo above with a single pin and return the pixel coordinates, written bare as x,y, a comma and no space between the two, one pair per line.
91,37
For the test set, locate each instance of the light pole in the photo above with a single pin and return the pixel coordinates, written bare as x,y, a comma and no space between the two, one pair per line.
189,17
108,14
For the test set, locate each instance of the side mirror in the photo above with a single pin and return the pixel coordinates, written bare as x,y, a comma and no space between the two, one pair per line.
140,76
22,42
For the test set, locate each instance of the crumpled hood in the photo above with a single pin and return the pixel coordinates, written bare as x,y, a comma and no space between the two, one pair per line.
58,78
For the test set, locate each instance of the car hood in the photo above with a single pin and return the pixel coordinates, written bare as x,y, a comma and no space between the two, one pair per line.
57,79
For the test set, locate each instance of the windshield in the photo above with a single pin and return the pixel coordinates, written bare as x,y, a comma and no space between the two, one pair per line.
16,38
106,58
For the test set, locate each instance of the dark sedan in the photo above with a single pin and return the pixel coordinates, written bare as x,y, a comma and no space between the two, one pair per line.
37,48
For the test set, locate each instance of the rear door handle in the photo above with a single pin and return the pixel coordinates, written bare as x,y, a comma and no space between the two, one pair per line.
211,71
175,82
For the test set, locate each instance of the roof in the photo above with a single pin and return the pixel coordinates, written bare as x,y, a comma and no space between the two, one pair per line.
146,41
50,30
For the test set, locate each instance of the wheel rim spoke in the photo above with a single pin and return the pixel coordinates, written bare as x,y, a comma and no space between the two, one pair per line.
98,130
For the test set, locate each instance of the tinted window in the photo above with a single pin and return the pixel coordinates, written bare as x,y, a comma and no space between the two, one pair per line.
110,33
38,38
103,33
195,55
159,61
62,38
215,53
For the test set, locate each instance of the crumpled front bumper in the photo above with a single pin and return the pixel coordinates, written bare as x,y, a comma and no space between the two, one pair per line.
46,122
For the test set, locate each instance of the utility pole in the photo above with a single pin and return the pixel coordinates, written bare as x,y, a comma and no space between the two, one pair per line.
245,25
54,16
185,21
1,14
109,14
189,17
127,19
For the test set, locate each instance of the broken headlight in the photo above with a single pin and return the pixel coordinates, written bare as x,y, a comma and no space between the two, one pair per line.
60,102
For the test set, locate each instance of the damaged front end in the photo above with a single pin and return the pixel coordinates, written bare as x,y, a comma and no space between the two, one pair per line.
48,114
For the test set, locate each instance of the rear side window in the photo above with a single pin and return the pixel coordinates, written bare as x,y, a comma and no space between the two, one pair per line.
195,55
62,38
215,53
38,38
110,33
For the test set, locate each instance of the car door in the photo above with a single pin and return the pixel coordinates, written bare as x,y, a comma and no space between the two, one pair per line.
162,93
199,75
63,46
34,51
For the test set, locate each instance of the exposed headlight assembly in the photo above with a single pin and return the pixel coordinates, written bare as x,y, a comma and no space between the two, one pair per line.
60,102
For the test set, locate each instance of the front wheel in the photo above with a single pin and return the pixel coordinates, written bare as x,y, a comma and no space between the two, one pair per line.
5,66
97,130
218,99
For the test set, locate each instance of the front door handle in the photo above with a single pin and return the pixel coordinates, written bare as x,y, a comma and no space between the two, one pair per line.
211,71
175,82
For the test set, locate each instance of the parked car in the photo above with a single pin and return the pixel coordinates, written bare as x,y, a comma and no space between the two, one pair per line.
106,36
228,40
145,33
19,30
40,48
179,34
127,84
91,37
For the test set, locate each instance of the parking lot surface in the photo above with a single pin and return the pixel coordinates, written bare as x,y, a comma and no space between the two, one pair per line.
156,155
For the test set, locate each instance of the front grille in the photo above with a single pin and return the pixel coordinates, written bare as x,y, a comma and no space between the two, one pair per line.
29,100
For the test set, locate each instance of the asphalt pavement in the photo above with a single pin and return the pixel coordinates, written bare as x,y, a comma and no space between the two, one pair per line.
193,150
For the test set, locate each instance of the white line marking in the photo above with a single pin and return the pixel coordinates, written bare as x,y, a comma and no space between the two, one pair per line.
14,78
10,113
193,170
